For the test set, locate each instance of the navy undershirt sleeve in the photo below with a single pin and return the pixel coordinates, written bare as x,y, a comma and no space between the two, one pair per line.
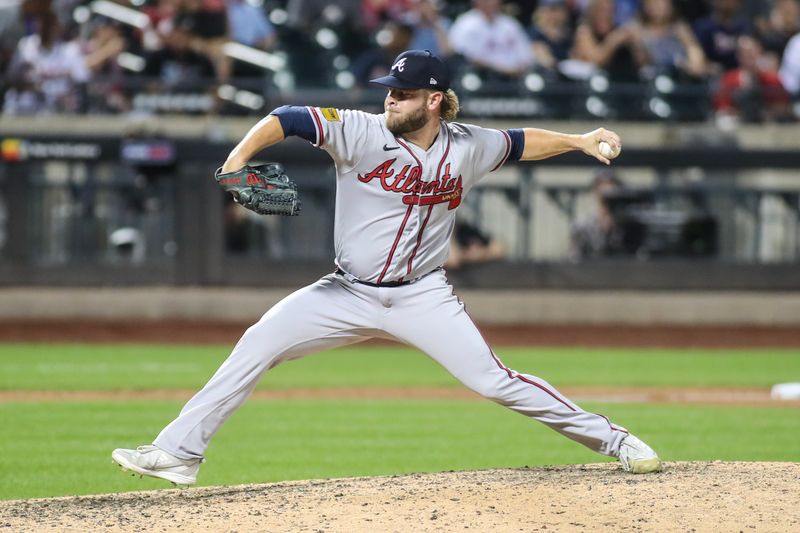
296,120
517,143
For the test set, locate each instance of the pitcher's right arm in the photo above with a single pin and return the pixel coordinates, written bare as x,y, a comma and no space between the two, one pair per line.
265,133
322,127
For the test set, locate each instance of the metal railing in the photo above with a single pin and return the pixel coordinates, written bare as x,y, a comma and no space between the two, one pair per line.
143,211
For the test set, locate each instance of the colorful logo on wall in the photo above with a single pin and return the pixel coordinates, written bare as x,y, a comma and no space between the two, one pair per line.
12,150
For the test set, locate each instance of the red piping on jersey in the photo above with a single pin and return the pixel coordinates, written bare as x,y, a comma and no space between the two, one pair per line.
404,145
408,213
446,151
508,150
394,246
419,239
515,375
430,209
321,135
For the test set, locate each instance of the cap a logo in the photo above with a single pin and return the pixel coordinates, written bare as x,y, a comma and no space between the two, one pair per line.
400,65
433,81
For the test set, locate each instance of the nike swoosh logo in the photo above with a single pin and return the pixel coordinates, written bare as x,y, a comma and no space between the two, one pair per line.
386,147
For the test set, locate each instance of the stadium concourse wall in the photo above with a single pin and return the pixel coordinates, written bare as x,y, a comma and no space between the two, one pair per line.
198,283
488,307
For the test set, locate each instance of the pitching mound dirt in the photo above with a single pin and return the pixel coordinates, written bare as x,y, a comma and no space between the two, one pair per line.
715,496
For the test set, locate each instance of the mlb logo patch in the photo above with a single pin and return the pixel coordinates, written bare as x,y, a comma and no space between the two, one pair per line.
330,114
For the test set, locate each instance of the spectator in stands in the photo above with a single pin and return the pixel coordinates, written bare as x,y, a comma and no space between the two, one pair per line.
47,73
101,50
15,22
754,10
375,13
551,34
162,21
494,43
626,11
775,30
522,10
575,10
598,235
790,67
305,14
471,245
752,92
666,44
429,28
249,25
207,23
692,10
718,33
376,62
177,66
600,42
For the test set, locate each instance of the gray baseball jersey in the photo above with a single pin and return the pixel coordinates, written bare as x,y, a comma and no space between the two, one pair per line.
395,211
395,202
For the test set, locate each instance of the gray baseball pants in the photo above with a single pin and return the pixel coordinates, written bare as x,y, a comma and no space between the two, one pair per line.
334,312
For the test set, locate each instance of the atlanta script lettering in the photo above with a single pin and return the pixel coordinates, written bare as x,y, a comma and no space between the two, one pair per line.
417,192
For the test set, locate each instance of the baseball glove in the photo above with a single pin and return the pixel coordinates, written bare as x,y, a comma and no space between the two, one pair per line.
265,189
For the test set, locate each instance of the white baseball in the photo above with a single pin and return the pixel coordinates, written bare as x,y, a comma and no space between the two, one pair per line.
607,151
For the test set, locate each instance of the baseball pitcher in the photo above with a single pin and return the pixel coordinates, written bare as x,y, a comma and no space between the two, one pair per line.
400,177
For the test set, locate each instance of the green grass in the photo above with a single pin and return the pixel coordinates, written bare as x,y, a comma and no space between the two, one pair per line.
99,367
64,448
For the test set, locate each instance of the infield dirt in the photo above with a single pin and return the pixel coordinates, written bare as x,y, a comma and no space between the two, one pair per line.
696,496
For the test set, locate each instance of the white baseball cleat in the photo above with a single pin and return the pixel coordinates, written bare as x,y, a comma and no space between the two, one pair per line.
637,457
152,461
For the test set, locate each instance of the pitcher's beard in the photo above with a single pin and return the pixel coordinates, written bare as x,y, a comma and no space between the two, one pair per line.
412,122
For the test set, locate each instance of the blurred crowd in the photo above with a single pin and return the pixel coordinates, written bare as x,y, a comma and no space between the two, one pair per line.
94,56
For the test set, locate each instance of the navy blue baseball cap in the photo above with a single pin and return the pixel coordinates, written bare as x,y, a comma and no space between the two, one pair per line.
417,69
